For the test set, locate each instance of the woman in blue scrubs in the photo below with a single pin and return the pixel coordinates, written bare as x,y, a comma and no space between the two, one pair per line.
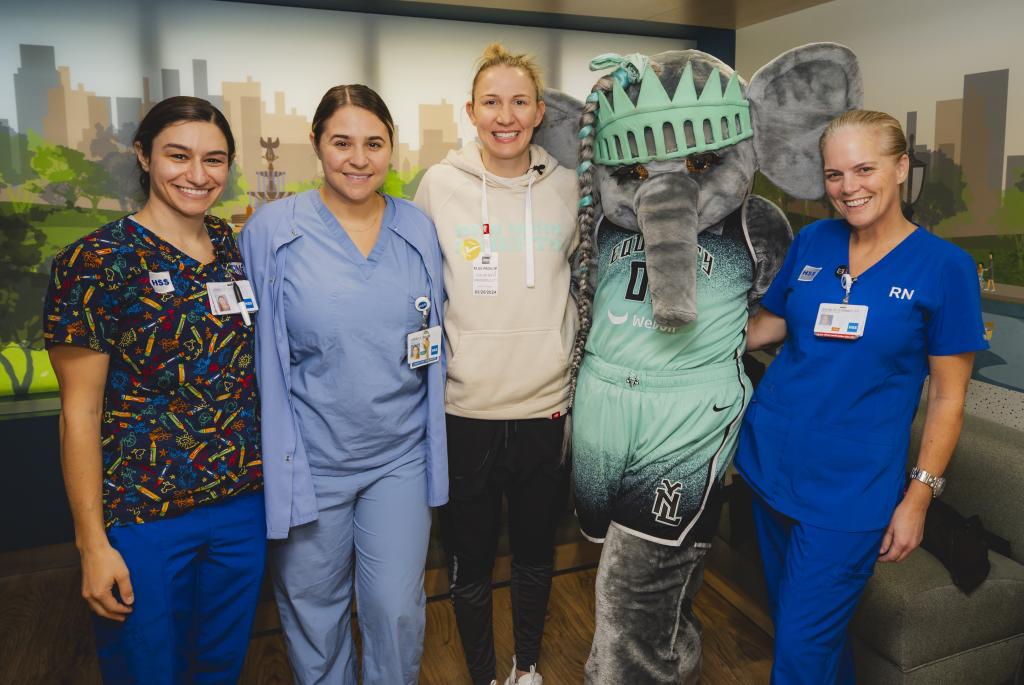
867,306
349,281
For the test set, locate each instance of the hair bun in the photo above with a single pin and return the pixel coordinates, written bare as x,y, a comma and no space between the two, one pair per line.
495,51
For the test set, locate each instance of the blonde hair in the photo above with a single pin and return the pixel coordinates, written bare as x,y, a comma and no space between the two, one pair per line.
495,55
891,138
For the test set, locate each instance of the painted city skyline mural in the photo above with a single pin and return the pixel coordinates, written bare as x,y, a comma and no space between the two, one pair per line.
76,78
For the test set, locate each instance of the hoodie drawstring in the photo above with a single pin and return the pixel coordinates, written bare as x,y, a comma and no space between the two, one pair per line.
528,221
484,218
528,233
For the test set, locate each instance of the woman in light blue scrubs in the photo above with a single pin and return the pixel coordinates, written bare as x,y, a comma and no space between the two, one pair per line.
353,423
868,306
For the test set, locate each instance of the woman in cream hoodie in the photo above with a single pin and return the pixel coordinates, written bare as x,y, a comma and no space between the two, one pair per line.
505,216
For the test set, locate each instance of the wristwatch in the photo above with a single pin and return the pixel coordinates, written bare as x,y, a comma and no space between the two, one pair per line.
936,483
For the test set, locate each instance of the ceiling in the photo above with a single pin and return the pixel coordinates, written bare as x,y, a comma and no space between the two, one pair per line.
726,14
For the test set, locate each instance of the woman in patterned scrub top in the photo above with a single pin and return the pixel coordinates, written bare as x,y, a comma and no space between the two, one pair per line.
159,419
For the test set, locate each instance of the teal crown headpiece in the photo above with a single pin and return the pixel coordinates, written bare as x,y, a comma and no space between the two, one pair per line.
700,124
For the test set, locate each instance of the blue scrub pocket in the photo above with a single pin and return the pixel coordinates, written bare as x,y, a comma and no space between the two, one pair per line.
846,479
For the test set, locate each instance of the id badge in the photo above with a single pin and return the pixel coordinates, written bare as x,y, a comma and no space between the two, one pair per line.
225,300
844,321
423,347
485,274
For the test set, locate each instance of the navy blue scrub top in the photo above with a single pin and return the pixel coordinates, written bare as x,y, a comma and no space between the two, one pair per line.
825,438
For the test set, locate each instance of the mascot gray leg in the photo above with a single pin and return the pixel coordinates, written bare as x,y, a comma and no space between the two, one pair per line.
647,633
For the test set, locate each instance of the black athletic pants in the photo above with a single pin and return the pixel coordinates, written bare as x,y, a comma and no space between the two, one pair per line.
520,460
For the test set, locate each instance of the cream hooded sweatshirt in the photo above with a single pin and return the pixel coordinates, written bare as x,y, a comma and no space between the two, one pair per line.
508,352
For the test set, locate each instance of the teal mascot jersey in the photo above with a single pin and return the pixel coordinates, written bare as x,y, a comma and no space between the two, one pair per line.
640,382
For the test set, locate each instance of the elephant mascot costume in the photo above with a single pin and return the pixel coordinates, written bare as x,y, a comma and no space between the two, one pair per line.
674,253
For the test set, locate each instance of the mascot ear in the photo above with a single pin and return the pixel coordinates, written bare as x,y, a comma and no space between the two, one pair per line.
558,131
792,98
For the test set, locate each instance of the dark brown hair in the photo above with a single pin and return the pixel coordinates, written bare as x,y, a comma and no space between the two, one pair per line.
175,110
357,95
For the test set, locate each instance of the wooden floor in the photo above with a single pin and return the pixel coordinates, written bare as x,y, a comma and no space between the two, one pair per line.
52,643
736,651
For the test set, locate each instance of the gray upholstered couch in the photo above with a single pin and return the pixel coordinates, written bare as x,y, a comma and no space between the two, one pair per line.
913,625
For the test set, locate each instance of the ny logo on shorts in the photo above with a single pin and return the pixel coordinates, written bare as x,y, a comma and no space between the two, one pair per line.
667,498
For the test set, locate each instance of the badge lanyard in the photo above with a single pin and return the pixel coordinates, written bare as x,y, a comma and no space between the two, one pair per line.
847,281
422,305
423,346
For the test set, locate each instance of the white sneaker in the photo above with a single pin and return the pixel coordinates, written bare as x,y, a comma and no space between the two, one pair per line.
531,678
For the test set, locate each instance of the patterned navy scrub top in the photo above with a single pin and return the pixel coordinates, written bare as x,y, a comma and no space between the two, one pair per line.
180,425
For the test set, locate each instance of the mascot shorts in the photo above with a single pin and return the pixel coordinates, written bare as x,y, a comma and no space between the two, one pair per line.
649,448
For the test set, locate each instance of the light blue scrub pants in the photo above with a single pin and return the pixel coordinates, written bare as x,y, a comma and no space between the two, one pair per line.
374,525
815,578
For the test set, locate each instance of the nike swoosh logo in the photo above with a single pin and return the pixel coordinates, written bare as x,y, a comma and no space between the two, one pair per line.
715,407
617,320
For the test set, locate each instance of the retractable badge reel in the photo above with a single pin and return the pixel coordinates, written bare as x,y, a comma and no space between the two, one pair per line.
423,346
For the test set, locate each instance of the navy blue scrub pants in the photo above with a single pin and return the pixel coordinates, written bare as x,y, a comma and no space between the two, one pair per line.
196,579
815,578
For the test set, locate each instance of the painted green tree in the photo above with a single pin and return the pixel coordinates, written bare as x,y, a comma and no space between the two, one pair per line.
393,184
1009,220
65,174
235,197
23,281
124,178
412,183
15,171
942,195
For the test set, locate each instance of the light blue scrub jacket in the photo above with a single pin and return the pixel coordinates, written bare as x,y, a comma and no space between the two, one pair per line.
290,498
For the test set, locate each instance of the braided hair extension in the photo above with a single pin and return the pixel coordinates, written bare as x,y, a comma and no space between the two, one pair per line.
585,218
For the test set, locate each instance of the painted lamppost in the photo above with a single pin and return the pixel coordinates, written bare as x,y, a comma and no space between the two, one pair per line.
914,184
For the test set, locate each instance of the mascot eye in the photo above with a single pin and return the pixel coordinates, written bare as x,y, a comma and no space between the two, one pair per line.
698,164
635,172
